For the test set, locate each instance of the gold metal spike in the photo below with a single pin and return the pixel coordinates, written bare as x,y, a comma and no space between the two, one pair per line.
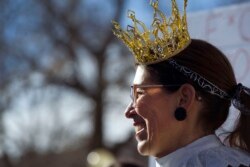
166,38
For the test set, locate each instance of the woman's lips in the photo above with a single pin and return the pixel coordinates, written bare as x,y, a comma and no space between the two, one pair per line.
140,127
138,121
140,132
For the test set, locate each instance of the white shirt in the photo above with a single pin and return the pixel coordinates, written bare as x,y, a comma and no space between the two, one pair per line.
207,151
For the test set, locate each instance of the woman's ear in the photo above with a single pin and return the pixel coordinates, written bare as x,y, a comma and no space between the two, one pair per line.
187,96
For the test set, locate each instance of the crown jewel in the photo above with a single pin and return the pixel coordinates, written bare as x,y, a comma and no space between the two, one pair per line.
168,36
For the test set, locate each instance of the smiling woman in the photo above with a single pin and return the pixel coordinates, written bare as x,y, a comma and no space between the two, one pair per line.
148,115
181,94
154,107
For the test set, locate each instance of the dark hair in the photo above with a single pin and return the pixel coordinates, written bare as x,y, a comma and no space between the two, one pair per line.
212,64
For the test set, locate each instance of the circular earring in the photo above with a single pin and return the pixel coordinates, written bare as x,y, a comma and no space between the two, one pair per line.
180,114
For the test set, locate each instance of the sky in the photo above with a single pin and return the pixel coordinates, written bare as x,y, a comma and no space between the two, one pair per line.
193,6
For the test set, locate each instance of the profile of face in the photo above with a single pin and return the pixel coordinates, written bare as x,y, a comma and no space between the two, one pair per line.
152,111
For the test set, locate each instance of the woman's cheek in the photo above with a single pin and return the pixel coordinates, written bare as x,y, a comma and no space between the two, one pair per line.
141,103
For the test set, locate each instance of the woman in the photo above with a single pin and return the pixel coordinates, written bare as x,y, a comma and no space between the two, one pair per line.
182,91
175,117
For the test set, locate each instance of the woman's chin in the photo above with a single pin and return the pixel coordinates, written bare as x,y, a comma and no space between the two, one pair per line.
143,147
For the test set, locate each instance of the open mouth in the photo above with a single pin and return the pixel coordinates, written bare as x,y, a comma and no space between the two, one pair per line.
139,124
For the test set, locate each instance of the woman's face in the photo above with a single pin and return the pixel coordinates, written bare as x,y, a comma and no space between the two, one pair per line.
156,129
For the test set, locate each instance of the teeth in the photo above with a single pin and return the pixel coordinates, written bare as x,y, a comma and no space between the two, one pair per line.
139,123
139,127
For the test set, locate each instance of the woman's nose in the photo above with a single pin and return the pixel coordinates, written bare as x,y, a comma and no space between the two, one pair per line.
129,110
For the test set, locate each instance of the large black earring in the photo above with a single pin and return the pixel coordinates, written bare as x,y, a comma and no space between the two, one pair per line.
180,114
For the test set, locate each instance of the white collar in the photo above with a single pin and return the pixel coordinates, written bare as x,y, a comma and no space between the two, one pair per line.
183,154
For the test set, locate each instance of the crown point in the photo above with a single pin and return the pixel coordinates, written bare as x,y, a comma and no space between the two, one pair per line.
168,37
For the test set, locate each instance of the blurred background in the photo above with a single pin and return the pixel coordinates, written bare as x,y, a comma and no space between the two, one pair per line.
64,81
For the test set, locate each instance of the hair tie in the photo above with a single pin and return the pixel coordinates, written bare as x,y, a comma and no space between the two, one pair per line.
237,91
237,100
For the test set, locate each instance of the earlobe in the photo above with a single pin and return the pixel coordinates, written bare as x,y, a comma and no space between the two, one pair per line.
187,96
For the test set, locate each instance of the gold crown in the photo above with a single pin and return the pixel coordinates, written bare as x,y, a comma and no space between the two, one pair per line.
168,36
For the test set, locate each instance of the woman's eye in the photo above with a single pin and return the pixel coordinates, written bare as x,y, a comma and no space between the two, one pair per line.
140,92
